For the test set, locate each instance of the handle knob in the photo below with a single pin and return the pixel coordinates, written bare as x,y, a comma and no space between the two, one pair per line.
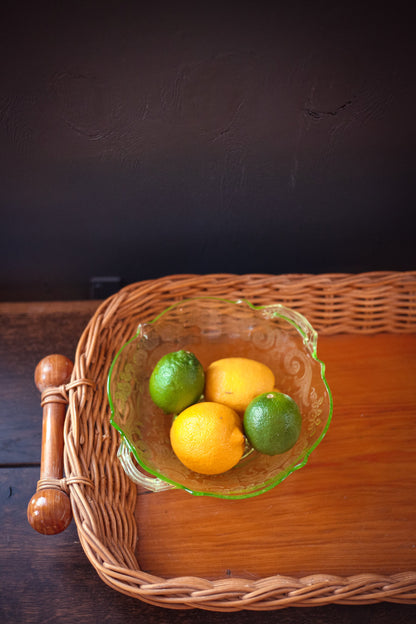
49,510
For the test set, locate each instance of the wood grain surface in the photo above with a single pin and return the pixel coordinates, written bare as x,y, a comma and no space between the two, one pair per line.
350,510
50,577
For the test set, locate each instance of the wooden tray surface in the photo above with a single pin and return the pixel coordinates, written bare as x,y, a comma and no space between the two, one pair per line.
350,510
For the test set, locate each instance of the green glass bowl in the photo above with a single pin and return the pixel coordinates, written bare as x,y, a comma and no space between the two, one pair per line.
213,328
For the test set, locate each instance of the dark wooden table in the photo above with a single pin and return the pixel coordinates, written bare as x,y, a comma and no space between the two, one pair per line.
49,578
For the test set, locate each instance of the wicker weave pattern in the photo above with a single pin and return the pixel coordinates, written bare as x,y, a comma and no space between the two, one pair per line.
103,498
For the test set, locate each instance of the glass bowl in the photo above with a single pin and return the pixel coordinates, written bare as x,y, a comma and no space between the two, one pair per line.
213,328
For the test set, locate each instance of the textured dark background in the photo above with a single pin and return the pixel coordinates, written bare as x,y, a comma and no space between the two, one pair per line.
143,139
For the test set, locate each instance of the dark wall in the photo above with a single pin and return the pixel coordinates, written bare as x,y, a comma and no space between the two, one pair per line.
143,140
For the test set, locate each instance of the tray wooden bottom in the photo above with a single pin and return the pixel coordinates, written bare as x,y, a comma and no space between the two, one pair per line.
351,509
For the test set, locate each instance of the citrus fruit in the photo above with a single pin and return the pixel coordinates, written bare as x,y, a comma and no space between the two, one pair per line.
235,381
208,438
272,423
176,381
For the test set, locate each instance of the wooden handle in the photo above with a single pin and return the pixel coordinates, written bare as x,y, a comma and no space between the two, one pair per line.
49,510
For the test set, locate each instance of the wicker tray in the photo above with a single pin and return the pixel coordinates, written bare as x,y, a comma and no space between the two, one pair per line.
104,500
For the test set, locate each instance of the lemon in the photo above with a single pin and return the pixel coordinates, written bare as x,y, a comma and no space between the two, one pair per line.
176,381
207,438
272,423
235,381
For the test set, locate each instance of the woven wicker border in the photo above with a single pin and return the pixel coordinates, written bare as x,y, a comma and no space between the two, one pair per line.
103,498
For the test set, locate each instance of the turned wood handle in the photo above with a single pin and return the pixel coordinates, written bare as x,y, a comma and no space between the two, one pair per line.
49,510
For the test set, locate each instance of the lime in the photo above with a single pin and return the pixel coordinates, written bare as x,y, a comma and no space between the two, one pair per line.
177,381
272,423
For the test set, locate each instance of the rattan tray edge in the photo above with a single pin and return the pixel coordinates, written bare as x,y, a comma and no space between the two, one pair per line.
103,499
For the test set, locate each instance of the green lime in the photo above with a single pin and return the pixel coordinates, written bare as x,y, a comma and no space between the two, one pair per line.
272,423
177,381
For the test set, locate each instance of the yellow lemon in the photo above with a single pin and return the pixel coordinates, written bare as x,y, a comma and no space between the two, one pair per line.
235,381
208,438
